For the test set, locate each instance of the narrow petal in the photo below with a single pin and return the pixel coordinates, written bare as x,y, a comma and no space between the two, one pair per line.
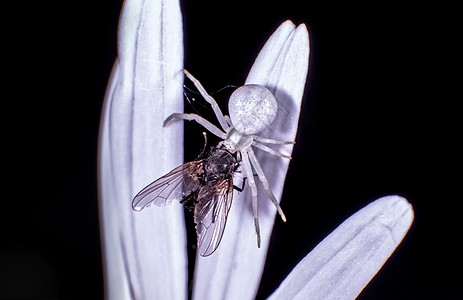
235,269
144,252
345,261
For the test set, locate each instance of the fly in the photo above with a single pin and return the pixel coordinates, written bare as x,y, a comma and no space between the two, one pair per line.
208,184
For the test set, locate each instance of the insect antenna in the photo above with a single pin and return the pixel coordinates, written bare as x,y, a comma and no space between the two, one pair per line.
204,147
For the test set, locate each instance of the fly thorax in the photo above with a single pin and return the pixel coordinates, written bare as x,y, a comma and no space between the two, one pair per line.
218,166
237,141
215,171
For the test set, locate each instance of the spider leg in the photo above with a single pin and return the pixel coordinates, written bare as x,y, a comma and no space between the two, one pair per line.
208,98
227,118
252,184
271,141
269,150
203,122
263,179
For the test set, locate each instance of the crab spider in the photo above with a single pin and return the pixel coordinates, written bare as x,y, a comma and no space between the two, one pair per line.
252,108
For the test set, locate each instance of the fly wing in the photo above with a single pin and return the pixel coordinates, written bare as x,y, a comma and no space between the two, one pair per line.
211,213
178,183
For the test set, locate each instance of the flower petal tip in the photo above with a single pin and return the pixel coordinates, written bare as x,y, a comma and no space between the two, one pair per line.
346,260
397,215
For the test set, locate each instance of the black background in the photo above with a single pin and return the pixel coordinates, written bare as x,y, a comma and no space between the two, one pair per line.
376,120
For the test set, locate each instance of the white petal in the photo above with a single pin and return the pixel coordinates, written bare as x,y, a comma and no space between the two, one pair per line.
235,269
345,261
144,253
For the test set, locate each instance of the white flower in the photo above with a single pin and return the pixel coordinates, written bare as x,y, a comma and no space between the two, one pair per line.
145,253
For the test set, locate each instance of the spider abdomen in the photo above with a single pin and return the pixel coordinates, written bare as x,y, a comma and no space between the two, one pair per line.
252,108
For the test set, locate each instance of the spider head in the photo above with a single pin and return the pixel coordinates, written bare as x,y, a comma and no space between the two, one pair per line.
252,108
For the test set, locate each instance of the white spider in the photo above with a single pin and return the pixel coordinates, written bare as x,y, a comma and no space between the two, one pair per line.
252,108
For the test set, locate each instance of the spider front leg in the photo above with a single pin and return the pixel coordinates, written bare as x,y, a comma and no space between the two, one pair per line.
252,184
218,113
203,122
